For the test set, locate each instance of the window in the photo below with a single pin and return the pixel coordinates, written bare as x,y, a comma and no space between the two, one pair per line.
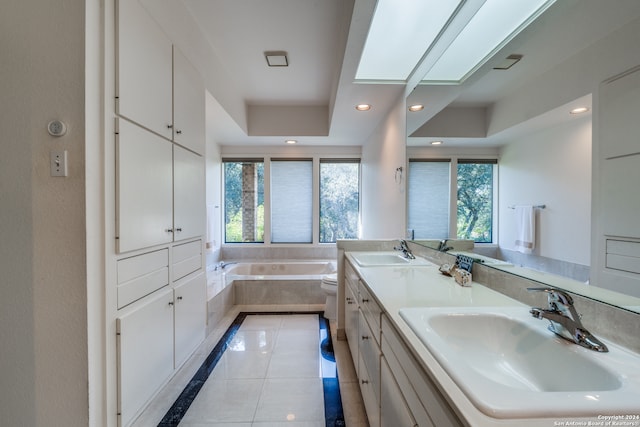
244,200
475,200
291,201
339,200
430,195
307,200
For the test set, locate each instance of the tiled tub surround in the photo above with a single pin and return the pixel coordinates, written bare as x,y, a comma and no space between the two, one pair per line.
288,284
604,321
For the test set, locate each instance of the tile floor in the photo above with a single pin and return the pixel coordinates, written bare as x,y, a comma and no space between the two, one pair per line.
271,374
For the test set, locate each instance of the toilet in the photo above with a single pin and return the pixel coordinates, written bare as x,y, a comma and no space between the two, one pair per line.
330,287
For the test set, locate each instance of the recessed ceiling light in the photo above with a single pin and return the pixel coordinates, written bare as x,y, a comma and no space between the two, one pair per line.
277,58
579,110
363,107
291,141
436,142
416,107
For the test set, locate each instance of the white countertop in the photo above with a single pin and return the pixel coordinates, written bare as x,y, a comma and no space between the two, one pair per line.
399,287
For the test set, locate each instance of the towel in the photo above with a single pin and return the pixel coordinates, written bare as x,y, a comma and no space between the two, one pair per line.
525,229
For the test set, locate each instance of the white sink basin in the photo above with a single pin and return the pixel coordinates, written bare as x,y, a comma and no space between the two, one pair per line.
372,259
510,366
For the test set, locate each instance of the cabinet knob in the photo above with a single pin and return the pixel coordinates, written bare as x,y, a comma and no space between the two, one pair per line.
349,302
179,132
170,302
179,230
365,300
364,381
364,337
179,298
169,230
169,126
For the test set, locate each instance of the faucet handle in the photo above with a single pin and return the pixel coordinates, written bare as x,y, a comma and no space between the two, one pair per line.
555,296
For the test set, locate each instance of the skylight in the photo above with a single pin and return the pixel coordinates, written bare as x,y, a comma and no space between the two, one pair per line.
492,27
403,34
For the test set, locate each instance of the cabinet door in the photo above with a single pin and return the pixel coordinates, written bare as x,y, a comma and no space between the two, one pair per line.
188,104
370,356
351,323
190,316
145,352
393,409
619,127
188,194
144,188
144,73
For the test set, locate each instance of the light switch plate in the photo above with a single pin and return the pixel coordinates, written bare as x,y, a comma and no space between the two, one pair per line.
58,162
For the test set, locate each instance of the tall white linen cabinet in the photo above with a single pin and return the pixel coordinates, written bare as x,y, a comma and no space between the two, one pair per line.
160,295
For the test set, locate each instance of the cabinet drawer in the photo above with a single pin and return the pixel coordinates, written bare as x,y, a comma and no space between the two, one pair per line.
187,258
427,404
371,311
140,275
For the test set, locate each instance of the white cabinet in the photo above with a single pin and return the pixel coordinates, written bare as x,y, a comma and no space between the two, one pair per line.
156,86
144,188
188,104
395,389
145,352
369,372
363,334
619,101
160,190
619,127
351,313
189,211
155,337
190,316
616,237
144,69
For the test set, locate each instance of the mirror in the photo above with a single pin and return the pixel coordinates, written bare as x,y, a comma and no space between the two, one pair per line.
521,117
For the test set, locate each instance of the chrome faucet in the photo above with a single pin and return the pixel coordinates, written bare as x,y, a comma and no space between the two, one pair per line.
442,246
221,265
405,250
564,319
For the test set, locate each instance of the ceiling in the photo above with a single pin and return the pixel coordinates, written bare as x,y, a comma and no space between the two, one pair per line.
313,99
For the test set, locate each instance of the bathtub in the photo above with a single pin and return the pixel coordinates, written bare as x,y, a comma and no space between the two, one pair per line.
278,282
284,270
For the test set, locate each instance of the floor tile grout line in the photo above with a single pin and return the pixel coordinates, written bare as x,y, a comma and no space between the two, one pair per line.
179,408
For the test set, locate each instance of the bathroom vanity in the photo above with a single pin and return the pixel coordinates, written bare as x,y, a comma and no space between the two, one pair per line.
402,318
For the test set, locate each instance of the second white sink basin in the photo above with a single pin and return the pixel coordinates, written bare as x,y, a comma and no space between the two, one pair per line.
386,259
509,365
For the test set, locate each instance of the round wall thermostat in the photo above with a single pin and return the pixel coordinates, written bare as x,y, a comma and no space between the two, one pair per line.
56,128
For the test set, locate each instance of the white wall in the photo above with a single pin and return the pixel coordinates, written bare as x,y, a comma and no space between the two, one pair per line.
43,322
384,199
213,164
551,167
